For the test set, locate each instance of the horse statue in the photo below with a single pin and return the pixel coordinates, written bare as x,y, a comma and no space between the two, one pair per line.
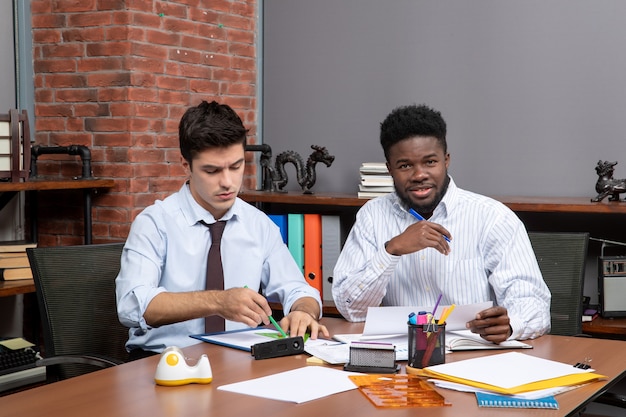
305,174
606,185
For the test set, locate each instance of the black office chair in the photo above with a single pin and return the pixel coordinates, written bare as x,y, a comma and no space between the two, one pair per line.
562,258
76,298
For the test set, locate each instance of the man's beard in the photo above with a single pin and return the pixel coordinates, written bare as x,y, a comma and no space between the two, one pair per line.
425,208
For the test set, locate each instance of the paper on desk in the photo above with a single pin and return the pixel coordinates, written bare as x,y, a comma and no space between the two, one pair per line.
298,385
337,353
239,339
531,395
393,320
511,373
16,343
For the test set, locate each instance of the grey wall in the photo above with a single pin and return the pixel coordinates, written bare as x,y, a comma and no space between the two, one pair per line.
534,92
11,308
7,63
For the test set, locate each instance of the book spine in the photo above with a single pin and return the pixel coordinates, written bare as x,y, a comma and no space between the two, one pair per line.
501,401
331,247
295,238
313,250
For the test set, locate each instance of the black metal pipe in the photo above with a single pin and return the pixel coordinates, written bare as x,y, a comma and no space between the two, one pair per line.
81,150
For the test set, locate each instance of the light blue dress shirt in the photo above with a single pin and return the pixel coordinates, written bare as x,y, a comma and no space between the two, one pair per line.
167,250
491,258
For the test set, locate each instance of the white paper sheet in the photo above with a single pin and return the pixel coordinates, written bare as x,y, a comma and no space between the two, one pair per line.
507,370
530,395
339,353
240,339
393,320
298,385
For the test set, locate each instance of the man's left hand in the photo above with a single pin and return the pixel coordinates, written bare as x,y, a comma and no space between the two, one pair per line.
491,324
296,323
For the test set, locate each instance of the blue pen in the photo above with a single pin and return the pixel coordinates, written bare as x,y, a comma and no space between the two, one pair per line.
419,217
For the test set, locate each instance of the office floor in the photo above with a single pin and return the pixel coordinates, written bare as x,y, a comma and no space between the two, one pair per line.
601,410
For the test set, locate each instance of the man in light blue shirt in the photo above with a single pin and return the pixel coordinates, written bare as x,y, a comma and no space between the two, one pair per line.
470,248
160,288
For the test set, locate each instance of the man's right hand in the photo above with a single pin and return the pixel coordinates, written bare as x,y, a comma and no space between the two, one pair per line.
243,305
418,236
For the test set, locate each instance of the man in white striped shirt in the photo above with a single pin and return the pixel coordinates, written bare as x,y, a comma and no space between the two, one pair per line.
470,248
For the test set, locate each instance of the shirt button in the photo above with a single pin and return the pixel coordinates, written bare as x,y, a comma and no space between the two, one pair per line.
423,257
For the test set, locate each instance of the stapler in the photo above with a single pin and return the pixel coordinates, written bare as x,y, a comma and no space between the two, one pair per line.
173,369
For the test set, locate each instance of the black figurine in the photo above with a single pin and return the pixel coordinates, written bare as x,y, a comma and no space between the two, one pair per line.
305,174
606,185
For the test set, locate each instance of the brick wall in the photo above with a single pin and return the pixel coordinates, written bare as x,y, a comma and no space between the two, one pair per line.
116,76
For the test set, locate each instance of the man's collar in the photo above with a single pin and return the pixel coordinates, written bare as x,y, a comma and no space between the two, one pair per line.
195,213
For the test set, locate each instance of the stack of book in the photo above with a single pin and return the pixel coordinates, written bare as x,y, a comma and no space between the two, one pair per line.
375,180
14,261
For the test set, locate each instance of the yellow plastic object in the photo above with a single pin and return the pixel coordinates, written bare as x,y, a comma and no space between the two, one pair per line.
173,369
398,391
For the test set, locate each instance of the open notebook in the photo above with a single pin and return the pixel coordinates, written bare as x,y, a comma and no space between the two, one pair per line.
466,340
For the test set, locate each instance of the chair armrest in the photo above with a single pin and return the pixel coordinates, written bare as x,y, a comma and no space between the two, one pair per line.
96,360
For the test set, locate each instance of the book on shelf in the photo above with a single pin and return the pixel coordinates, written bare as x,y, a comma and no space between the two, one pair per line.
331,246
370,194
376,180
10,274
281,221
377,188
373,168
16,246
313,250
295,238
14,260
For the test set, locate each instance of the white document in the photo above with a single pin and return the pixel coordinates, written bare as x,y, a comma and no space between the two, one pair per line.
530,395
507,370
337,353
393,320
297,386
240,339
334,353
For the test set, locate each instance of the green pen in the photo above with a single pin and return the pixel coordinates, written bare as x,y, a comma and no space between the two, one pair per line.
280,329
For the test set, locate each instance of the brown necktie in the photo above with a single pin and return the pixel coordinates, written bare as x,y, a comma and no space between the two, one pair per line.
215,273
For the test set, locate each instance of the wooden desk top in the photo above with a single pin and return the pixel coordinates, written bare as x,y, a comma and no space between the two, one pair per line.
20,286
39,184
129,389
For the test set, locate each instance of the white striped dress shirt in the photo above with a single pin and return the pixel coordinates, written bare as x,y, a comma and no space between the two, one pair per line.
491,258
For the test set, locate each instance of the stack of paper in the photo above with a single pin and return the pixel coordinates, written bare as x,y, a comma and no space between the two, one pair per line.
511,373
375,180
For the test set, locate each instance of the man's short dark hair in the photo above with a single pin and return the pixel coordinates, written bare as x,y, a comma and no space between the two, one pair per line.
409,121
209,125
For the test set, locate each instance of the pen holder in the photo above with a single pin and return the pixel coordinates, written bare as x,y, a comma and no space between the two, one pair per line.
427,345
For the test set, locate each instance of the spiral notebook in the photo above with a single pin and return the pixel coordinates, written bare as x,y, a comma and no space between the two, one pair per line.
507,401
